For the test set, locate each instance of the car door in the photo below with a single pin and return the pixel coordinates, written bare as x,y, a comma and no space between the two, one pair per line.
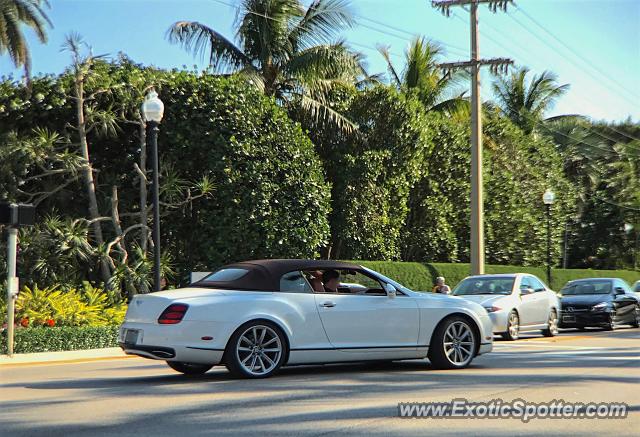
355,321
529,307
542,300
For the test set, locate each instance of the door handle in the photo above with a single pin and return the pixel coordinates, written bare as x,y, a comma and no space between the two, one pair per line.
328,304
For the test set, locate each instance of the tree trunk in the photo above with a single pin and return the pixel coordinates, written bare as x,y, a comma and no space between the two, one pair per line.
87,170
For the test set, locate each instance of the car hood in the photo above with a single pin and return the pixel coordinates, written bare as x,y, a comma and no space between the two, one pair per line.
585,299
484,299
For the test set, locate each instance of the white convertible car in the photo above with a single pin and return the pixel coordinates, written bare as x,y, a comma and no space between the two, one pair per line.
257,316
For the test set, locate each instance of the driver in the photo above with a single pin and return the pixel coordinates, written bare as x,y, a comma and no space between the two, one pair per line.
331,280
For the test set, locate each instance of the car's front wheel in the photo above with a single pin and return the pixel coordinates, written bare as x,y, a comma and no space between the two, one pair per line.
189,368
636,317
513,327
256,350
610,325
552,325
454,344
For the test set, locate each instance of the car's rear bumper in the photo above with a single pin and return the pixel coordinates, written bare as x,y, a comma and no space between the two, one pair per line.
167,343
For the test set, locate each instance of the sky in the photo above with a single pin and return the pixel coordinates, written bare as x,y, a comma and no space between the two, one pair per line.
593,45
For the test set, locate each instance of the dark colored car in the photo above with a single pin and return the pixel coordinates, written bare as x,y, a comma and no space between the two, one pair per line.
604,302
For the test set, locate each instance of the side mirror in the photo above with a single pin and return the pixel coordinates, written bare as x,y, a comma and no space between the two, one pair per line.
391,290
526,290
618,291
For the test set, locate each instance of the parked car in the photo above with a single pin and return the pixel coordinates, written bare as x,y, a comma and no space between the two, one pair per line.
604,302
516,303
257,316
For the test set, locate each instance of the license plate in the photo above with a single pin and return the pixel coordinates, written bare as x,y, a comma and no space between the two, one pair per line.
568,318
131,336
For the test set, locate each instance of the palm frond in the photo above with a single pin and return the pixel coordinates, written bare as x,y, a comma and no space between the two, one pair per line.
321,23
264,29
384,51
201,40
321,112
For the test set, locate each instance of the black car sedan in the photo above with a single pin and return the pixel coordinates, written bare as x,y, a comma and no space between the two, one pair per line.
604,302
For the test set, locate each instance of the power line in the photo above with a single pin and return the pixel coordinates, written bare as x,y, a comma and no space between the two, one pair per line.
511,52
361,17
575,53
535,35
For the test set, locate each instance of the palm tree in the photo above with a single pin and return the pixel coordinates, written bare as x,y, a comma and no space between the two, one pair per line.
14,14
287,51
423,77
525,105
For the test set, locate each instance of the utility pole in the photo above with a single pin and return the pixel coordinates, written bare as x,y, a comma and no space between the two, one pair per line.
473,65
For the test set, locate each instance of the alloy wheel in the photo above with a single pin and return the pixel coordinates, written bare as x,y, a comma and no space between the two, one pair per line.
514,325
259,349
459,343
553,323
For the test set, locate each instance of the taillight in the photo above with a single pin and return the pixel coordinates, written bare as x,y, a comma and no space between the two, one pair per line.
492,309
173,314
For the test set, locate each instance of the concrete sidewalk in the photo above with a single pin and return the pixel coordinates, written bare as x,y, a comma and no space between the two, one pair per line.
64,356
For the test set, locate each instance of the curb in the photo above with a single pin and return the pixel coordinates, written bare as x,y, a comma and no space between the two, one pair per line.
61,357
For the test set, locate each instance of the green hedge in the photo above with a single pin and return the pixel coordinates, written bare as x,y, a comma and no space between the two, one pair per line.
418,276
67,338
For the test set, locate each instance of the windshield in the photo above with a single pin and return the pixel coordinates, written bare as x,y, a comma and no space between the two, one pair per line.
587,287
382,277
486,285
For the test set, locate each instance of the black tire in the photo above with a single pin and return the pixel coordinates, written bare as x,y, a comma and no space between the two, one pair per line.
552,322
513,329
438,355
189,368
234,359
636,321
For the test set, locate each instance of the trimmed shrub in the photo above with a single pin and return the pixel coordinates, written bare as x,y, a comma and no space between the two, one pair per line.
66,338
454,273
416,276
421,277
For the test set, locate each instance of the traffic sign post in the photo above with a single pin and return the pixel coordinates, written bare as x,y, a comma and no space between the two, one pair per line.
14,215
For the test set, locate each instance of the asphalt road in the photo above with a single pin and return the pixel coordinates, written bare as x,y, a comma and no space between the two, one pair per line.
134,396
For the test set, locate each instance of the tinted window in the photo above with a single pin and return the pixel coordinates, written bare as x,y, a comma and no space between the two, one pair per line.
636,287
537,285
226,275
484,285
595,286
294,282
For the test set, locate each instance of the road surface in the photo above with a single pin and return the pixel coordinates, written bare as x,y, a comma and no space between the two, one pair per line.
138,397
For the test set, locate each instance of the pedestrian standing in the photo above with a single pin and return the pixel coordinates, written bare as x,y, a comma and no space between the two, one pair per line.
440,286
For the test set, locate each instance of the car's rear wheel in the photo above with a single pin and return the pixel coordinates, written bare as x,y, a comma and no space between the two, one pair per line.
513,327
189,368
454,344
256,350
552,325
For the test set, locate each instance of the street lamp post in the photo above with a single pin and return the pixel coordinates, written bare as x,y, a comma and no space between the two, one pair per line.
548,198
153,110
628,227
